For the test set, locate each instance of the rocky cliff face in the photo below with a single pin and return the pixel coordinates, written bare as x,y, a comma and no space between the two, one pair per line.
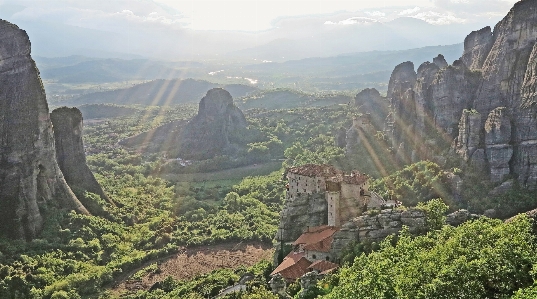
485,102
211,132
304,211
511,131
452,91
476,48
67,124
375,228
29,174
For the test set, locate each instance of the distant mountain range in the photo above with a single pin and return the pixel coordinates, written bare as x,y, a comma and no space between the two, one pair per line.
399,34
83,69
159,93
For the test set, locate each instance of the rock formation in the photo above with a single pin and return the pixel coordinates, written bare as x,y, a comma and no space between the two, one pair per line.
373,104
215,129
476,48
485,102
29,174
67,125
375,228
452,91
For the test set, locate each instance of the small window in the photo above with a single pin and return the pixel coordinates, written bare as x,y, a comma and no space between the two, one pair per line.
314,256
327,258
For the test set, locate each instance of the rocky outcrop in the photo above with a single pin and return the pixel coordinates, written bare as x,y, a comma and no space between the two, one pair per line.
440,61
425,76
497,138
402,99
67,124
375,228
214,130
452,90
305,210
477,46
486,102
374,105
29,174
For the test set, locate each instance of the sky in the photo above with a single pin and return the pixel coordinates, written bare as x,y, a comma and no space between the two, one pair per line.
201,24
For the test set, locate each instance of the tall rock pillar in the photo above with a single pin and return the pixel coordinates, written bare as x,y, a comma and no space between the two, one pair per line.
29,174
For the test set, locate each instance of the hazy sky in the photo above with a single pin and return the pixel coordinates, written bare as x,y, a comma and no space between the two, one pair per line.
252,15
171,27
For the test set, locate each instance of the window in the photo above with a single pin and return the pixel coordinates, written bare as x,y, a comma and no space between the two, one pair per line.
327,258
314,256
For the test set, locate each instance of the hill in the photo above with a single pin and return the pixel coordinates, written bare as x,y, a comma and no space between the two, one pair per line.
159,93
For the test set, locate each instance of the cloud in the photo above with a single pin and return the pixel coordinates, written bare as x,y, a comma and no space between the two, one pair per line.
375,13
153,17
352,21
409,11
437,18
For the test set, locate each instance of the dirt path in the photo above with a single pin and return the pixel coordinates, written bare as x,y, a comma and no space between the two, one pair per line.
200,260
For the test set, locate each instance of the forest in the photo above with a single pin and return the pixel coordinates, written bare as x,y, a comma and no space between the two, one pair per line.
161,209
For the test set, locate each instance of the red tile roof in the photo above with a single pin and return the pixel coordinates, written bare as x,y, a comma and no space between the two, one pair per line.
317,238
316,170
293,266
355,178
329,171
323,266
321,246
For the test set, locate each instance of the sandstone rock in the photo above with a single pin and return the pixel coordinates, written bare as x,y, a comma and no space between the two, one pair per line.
498,157
29,174
210,132
490,213
469,135
372,103
503,188
452,91
477,46
529,86
278,285
497,139
440,61
340,138
367,96
402,99
498,127
307,281
67,126
305,210
458,217
478,161
507,83
425,77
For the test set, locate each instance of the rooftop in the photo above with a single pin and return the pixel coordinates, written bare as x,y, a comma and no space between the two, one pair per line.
293,266
329,172
323,266
317,238
316,170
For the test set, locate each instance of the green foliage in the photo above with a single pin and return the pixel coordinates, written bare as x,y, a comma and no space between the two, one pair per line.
477,199
418,182
484,258
435,210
